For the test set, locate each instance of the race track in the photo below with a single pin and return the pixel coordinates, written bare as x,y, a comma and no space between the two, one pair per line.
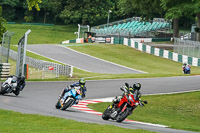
79,60
40,98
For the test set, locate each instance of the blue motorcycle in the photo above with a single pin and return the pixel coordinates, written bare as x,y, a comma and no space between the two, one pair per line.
187,70
71,98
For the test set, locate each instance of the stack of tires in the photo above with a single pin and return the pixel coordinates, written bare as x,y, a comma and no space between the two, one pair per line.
4,70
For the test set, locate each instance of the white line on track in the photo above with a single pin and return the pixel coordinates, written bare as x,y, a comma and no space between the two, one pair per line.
103,60
57,60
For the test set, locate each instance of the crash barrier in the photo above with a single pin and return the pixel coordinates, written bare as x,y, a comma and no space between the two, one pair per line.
117,40
157,51
32,24
4,70
80,40
56,68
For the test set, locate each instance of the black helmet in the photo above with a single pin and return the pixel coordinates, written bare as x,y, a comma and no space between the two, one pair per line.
137,86
82,81
184,63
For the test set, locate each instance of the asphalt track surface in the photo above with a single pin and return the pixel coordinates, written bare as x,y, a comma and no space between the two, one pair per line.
40,98
79,60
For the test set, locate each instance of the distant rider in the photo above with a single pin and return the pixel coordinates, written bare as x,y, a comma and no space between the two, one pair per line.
79,85
186,68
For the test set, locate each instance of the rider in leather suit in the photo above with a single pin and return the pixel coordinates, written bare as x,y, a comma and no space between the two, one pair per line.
81,85
135,90
20,83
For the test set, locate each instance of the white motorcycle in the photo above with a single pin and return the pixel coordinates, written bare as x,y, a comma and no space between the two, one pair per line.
9,86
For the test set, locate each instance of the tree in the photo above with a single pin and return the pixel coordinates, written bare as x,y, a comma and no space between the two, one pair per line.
175,9
146,9
52,8
86,11
2,27
9,9
33,3
196,9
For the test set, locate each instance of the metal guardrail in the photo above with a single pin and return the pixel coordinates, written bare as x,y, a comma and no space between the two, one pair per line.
43,65
187,47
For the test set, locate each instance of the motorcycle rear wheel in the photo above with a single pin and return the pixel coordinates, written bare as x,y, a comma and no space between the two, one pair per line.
16,92
122,115
68,104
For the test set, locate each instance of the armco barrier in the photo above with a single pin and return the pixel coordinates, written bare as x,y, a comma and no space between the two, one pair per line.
80,40
4,70
157,51
120,40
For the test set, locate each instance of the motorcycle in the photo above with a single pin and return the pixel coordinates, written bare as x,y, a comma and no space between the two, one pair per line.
9,86
186,70
70,100
124,106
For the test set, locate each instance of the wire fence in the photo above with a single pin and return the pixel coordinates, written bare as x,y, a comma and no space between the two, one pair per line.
43,68
6,44
187,47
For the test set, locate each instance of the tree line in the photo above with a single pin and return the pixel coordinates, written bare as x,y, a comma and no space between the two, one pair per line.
95,12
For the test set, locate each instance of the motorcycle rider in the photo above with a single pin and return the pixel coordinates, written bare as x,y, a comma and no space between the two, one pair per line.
80,84
18,83
186,68
135,91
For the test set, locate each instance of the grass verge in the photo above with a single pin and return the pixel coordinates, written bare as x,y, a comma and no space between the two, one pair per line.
123,55
42,34
23,123
179,111
127,56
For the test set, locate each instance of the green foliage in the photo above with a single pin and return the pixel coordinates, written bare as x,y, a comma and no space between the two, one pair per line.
9,8
2,22
176,8
33,3
147,9
86,11
29,16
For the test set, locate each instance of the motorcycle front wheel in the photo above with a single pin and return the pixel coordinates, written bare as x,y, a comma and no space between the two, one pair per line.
106,114
58,104
3,91
68,103
122,115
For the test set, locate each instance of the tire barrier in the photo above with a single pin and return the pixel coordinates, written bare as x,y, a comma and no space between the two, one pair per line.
4,70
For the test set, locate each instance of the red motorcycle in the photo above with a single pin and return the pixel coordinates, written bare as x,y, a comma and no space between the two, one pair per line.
122,106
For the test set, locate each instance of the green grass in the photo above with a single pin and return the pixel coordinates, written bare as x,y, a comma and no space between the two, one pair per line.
42,34
155,66
120,54
180,111
124,55
13,122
